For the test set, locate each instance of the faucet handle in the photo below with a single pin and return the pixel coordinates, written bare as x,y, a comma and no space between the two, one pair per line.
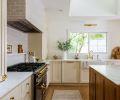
97,56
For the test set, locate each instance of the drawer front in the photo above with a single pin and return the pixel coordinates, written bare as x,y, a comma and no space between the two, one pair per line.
14,94
26,89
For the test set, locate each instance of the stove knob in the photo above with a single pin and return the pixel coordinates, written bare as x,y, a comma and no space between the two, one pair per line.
43,86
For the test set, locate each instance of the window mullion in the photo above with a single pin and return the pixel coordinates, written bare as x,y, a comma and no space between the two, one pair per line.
88,42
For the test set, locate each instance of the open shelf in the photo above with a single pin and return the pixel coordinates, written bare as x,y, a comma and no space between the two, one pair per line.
14,54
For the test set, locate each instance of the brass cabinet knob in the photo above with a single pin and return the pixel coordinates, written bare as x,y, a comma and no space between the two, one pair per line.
12,98
28,92
43,86
27,83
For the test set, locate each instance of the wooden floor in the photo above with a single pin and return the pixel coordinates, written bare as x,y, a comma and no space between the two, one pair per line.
84,90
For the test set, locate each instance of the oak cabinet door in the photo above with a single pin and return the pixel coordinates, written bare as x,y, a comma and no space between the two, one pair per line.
111,91
92,77
55,71
70,72
99,87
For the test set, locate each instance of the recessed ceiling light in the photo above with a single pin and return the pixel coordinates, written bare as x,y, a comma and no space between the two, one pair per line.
60,10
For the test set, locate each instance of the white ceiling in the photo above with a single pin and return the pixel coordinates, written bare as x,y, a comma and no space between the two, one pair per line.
92,9
56,5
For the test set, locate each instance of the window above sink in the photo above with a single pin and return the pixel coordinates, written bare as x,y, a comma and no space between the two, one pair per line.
93,41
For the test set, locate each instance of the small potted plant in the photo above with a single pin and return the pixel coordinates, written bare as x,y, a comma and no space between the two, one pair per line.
64,46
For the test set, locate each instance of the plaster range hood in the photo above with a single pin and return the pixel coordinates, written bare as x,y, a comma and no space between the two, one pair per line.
18,16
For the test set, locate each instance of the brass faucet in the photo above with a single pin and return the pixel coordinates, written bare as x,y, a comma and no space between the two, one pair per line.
90,55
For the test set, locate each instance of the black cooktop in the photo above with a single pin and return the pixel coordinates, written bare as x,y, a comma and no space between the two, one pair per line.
25,67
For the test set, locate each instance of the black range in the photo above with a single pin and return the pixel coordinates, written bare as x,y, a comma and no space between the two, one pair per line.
39,77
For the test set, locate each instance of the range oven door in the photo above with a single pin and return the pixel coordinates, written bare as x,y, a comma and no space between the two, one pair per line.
41,85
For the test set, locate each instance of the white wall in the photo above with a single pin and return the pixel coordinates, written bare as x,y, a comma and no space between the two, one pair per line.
35,13
59,28
114,31
15,37
44,44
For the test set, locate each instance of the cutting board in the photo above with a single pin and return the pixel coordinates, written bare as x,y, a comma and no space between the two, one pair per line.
116,53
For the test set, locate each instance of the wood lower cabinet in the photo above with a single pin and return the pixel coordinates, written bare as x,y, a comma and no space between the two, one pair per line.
99,85
70,72
111,91
21,92
92,75
100,88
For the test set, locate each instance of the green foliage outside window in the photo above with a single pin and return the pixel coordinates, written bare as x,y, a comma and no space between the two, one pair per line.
85,42
96,36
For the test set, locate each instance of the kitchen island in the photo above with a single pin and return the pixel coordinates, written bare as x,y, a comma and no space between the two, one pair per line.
104,82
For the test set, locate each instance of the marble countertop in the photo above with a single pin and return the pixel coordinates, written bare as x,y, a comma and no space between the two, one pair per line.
84,60
14,79
111,72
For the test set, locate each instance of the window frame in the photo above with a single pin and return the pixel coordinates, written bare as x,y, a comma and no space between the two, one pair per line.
89,41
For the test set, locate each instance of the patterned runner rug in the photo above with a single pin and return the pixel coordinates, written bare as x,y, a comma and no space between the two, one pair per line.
66,95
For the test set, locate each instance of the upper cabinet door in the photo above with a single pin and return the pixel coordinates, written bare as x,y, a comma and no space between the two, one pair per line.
3,39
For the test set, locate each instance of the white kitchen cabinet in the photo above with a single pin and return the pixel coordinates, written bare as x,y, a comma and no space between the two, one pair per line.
26,90
3,39
48,75
14,94
84,71
55,67
70,71
21,92
84,76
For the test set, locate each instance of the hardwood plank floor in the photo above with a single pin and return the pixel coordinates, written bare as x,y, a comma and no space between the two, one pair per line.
84,90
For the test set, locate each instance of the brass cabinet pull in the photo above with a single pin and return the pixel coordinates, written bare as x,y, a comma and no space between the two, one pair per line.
69,61
12,98
4,77
28,92
27,83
